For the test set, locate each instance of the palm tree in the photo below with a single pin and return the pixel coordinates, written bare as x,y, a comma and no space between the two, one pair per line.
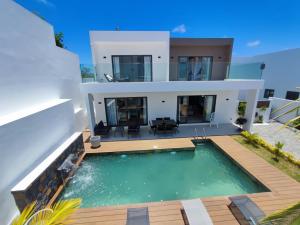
288,216
58,214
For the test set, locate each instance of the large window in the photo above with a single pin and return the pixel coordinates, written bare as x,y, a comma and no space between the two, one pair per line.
292,95
121,110
132,68
194,67
269,93
195,109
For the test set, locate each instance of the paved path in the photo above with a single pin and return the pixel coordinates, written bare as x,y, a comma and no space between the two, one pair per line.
274,132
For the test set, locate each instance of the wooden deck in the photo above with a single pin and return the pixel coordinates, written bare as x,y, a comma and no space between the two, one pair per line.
284,190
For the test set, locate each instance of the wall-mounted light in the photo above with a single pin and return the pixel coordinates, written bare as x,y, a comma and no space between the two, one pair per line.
227,99
220,57
163,101
172,57
99,103
104,57
159,57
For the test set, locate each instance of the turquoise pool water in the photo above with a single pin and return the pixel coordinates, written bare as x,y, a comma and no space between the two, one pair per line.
147,177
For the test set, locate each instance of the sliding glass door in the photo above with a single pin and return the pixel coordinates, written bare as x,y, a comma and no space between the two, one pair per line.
132,68
195,109
194,67
121,110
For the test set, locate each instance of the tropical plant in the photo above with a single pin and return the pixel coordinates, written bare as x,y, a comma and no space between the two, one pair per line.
278,148
288,216
59,39
58,214
241,109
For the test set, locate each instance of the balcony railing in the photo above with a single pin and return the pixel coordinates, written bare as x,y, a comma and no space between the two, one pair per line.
147,72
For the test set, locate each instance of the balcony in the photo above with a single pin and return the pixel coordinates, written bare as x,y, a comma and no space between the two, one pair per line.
162,72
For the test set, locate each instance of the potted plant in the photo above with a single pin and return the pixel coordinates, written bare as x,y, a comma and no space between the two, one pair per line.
241,121
95,141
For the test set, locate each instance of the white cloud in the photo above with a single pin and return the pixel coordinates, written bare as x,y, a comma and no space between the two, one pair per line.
45,2
252,44
179,29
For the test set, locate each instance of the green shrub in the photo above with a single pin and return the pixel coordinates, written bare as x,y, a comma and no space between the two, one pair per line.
254,139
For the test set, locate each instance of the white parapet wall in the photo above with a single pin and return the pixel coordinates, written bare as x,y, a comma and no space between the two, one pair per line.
35,77
105,44
281,73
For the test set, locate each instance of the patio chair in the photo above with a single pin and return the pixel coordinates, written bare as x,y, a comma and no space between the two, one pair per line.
195,213
101,129
244,209
169,127
109,78
167,118
161,127
133,127
138,216
159,118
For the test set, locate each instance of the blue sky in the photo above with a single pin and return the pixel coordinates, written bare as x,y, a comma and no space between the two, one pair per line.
257,26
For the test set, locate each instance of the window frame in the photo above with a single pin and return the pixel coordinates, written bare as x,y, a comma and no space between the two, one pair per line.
116,112
267,93
178,113
151,66
293,92
184,56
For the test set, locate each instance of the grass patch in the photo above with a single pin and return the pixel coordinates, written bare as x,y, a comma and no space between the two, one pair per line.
284,165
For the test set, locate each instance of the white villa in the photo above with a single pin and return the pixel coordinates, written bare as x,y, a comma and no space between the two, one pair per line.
148,75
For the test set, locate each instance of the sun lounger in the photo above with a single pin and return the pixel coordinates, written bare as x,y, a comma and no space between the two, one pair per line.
250,211
138,216
196,213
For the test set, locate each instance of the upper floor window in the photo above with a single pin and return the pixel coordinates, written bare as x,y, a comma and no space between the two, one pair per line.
195,67
292,95
132,68
269,93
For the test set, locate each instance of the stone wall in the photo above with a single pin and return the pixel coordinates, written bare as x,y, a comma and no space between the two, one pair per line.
46,185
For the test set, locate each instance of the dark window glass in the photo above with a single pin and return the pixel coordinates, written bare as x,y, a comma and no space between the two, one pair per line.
194,67
120,110
132,68
195,109
292,95
269,93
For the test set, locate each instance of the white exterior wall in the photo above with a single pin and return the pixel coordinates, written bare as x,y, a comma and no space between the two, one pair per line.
282,72
109,43
225,109
33,72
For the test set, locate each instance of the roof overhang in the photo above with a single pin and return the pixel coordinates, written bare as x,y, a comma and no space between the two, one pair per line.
201,42
171,86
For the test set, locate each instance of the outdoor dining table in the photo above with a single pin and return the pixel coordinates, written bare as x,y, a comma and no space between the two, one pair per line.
158,122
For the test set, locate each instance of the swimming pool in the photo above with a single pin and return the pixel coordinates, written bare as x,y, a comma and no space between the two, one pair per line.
158,176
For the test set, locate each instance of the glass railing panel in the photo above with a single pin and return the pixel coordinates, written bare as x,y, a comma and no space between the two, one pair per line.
252,71
148,72
88,73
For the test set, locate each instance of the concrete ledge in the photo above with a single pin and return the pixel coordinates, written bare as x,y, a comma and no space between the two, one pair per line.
30,111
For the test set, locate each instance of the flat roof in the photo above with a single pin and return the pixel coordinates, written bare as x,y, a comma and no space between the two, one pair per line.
201,41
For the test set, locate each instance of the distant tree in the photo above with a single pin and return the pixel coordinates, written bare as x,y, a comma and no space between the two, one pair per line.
59,39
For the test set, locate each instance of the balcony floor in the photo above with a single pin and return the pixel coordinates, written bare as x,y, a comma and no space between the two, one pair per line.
182,132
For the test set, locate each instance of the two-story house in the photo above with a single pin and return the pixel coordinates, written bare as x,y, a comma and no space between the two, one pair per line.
147,74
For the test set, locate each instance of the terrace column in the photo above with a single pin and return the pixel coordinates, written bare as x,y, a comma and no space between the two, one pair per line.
90,112
251,98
